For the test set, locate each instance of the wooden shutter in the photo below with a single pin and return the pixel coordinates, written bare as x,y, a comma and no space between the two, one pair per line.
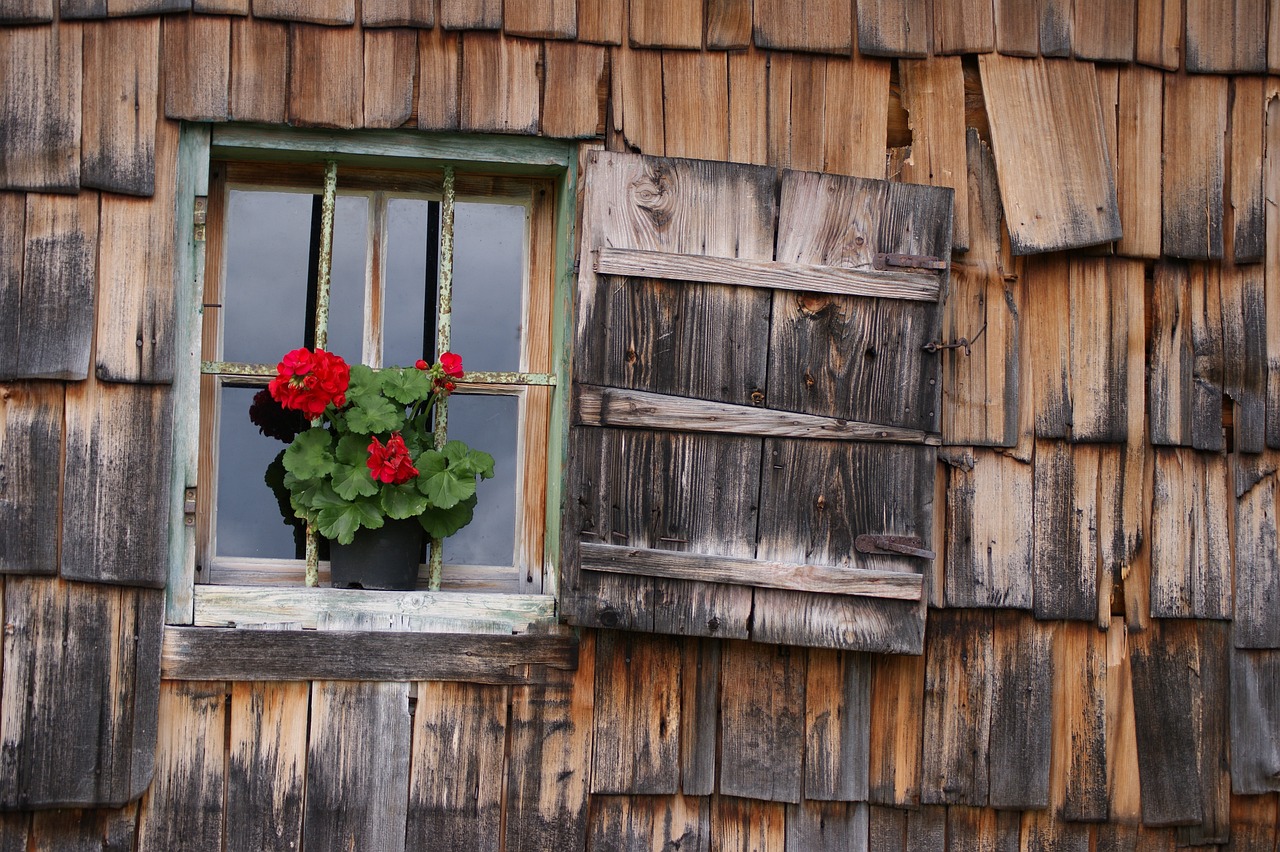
753,449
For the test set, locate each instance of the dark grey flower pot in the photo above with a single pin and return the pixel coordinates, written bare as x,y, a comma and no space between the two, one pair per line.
385,558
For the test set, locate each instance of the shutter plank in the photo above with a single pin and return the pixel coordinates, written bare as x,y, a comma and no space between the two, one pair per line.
1139,159
1124,799
821,27
728,24
762,727
1248,113
550,19
40,105
1050,147
500,88
933,95
1159,40
184,808
1257,573
358,740
968,26
1065,532
30,452
1100,294
1048,331
456,781
1255,722
897,28
54,313
1080,710
1021,712
577,75
837,726
1190,565
81,679
195,62
695,96
397,13
957,703
636,748
827,826
666,23
699,716
1227,37
1104,30
121,60
989,545
390,66
1195,113
266,765
438,80
1244,353
326,79
897,703
259,82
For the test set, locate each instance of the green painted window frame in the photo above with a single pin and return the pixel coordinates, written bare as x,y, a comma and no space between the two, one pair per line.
400,149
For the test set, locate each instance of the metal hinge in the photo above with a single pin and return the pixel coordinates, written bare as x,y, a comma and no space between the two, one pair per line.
909,261
189,507
897,545
199,216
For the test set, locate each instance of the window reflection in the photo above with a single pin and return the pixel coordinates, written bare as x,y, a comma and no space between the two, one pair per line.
488,423
488,278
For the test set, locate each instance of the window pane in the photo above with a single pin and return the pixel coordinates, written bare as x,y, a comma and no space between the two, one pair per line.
409,273
346,278
487,423
264,299
251,518
488,276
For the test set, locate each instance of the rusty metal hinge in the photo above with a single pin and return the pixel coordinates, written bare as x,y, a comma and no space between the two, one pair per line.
896,545
189,507
887,260
963,343
199,216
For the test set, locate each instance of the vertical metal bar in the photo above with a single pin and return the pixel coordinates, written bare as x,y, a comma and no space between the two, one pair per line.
322,320
444,311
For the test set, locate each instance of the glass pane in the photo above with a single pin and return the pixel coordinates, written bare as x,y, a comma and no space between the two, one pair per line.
487,423
409,269
346,279
488,279
264,301
251,516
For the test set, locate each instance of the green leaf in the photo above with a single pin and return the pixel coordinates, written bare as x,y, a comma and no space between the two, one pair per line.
310,456
341,522
429,463
406,385
352,481
402,501
466,461
353,450
364,382
442,523
374,415
446,488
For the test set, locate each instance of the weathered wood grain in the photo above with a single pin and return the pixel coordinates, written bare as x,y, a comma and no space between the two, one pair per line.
887,828
968,26
666,23
320,99
1055,27
356,655
390,66
438,87
80,831
30,451
636,748
1244,355
13,228
695,96
959,673
1206,358
40,107
1065,531
601,21
822,27
762,721
1159,39
746,825
1104,30
1271,194
499,80
1138,160
827,826
577,76
1105,298
333,12
27,11
989,542
1122,507
1048,302
649,822
195,63
266,760
548,760
1189,537
1124,799
1079,737
550,19
933,95
748,107
699,716
136,265
837,726
1248,117
1255,722
854,124
728,24
1195,113
398,13
1055,169
636,99
981,830
897,702
81,680
1017,28
121,62
1020,739
1256,615
259,71
1172,355
15,830
456,779
184,807
898,28
1227,37
468,15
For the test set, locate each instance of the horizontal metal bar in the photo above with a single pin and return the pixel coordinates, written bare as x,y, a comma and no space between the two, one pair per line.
234,368
488,378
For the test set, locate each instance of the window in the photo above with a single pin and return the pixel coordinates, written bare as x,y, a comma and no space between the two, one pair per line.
436,243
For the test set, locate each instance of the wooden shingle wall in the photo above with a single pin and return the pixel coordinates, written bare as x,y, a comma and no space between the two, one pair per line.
1102,661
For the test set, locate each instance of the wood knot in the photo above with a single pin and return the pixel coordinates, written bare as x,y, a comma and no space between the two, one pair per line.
757,398
812,304
655,195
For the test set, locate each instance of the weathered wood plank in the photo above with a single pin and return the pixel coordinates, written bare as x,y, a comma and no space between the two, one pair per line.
1124,799
79,831
1122,507
695,98
456,781
638,823
1138,157
854,128
1195,113
1256,614
470,15
887,829
1271,193
699,716
827,826
1255,722
439,95
1190,575
822,27
390,66
898,28
1055,27
636,748
600,21
1065,531
1159,39
746,825
666,23
748,107
81,682
1048,291
1056,180
728,24
1020,739
195,62
959,674
933,95
989,543
968,26
1227,37
1244,354
1105,298
357,655
121,62
1017,28
548,760
333,12
981,830
326,99
13,228
1206,358
184,807
260,57
40,107
30,451
1248,117
266,760
605,406
636,97
550,19
1080,707
500,85
762,730
577,75
398,13
897,701
1104,30
27,11
1171,358
837,726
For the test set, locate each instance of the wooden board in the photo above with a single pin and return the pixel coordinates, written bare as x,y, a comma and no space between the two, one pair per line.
13,227
898,28
666,23
981,830
326,100
1255,722
259,78
748,107
1055,27
266,765
117,441
649,822
456,781
745,825
1195,113
500,89
728,24
1080,708
78,831
1248,127
1207,431
968,26
1227,37
897,700
1189,537
762,731
1256,616
1048,302
1055,169
1271,191
470,15
390,66
827,826
1104,30
1106,319
397,13
695,97
636,98
1171,358
699,716
81,680
933,95
837,726
601,21
636,747
854,125
1020,740
31,419
989,542
121,62
28,11
577,75
1065,534
1138,160
1159,39
550,19
40,107
1017,28
1244,354
821,27
438,93
184,807
334,12
195,62
959,676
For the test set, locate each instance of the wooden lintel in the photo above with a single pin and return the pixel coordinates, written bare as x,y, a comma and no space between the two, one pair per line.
607,406
769,274
615,559
220,653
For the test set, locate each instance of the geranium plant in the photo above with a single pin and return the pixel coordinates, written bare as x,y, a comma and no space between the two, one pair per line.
369,453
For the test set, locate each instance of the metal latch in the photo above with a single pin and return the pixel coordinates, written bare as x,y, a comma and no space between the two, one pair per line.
199,216
888,260
896,545
189,507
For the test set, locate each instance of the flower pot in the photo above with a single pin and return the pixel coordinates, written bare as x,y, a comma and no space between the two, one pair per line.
385,558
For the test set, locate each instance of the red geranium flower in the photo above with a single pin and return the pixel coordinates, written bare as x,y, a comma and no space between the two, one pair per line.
420,364
451,363
391,463
309,381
